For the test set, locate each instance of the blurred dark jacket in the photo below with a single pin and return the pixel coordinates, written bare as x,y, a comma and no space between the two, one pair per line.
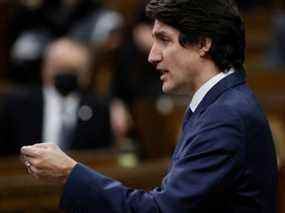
21,122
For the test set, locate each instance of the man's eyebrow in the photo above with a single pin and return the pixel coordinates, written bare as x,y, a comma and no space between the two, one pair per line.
159,34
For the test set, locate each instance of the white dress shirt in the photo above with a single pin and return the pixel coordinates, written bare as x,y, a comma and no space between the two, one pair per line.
57,110
205,88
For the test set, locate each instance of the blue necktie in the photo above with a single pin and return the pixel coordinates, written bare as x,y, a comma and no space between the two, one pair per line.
187,116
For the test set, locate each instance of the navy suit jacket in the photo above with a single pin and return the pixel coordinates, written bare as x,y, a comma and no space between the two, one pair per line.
224,162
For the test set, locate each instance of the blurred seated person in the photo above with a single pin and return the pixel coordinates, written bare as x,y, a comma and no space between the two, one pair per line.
61,111
32,25
134,78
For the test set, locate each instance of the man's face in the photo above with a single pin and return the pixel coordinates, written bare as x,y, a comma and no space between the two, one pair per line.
177,65
65,58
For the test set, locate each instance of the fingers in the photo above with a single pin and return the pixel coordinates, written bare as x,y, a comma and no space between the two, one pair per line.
23,158
33,171
31,165
40,145
27,163
44,145
47,162
30,168
30,151
36,150
32,157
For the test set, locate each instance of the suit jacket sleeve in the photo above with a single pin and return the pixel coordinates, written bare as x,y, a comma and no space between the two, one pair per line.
210,161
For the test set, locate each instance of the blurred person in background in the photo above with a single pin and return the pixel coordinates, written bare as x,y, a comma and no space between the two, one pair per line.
103,32
62,110
35,23
134,78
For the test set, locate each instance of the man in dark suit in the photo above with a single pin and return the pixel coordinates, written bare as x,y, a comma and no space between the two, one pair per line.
225,159
60,111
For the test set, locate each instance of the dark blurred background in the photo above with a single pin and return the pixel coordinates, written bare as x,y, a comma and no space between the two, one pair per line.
75,72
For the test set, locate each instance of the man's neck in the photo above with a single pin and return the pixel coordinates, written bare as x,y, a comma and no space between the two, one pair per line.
208,71
206,87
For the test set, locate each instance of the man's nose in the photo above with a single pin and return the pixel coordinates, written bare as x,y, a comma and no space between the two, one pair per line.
155,55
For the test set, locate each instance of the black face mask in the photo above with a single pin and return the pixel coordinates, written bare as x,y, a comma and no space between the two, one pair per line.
65,83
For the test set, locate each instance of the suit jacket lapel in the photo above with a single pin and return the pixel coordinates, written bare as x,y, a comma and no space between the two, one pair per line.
233,80
228,82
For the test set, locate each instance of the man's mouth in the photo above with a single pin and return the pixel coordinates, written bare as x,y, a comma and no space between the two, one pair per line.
163,74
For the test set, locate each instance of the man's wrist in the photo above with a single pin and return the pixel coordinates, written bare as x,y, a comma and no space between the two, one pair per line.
68,170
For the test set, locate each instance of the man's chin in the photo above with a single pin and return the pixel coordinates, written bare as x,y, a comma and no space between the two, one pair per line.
169,90
174,91
166,89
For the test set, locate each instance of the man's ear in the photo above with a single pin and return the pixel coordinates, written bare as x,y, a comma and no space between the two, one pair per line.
205,45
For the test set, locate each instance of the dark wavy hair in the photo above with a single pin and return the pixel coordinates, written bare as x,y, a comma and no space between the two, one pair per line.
219,20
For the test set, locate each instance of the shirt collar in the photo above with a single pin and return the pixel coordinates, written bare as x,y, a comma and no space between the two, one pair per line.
205,88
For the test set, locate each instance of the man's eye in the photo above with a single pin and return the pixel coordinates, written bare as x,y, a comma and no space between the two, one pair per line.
164,40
